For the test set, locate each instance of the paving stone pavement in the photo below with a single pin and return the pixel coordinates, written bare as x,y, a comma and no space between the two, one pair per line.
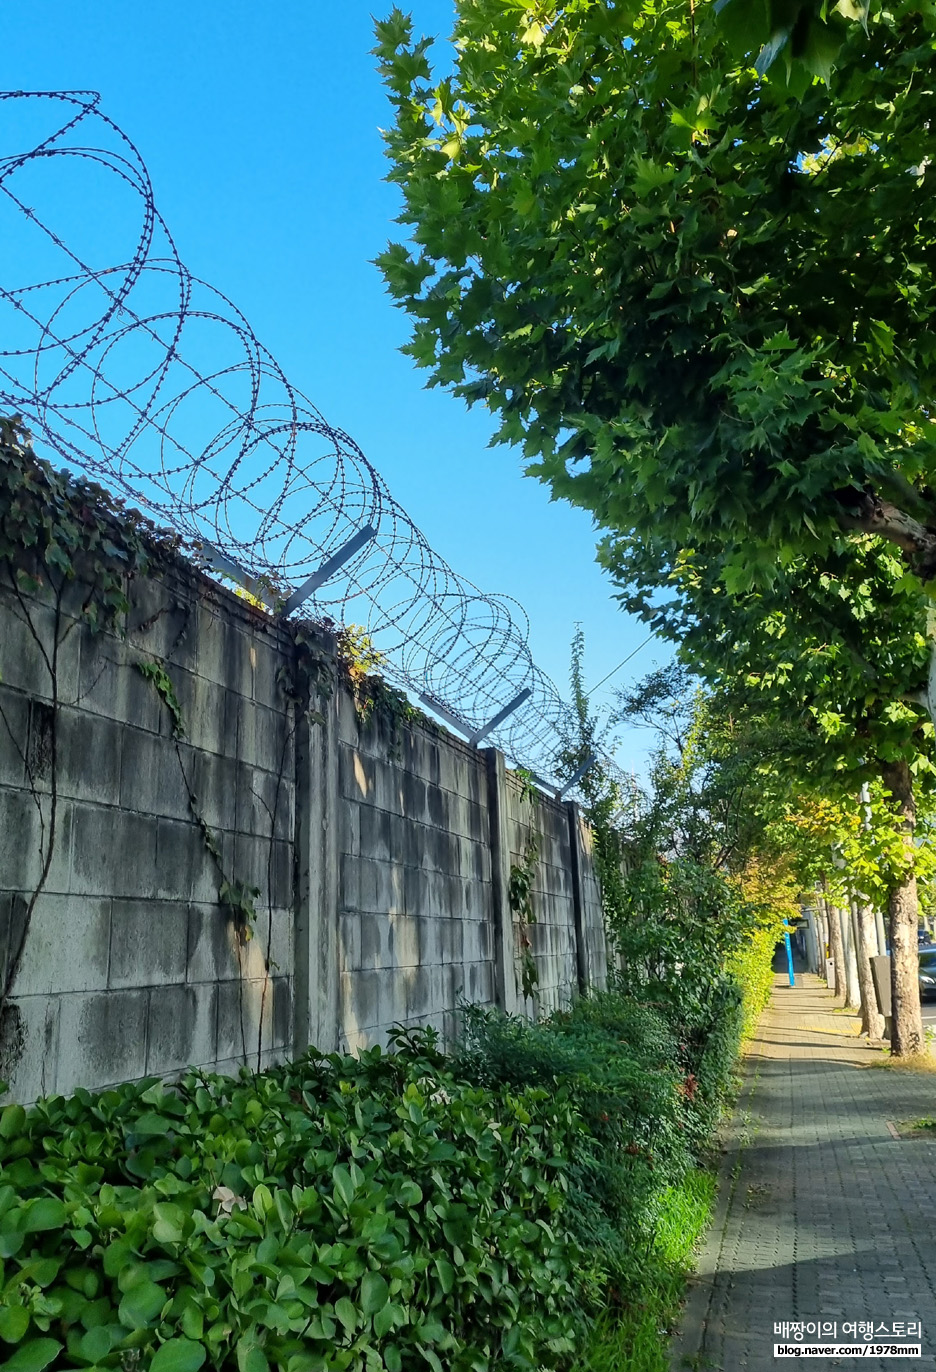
822,1213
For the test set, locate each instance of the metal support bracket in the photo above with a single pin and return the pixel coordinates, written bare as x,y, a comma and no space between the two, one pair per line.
499,718
220,562
589,762
329,568
451,720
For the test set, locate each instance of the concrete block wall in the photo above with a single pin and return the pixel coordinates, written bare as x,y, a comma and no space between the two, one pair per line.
414,898
553,935
130,968
381,858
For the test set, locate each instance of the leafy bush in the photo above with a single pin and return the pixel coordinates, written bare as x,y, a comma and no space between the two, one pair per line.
367,1214
622,1067
335,1213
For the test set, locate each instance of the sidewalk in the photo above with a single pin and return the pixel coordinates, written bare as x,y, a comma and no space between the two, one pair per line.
822,1212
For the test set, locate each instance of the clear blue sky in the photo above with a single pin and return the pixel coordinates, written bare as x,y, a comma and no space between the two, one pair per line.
259,127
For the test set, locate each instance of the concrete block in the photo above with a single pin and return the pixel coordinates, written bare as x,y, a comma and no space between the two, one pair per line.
388,787
417,983
471,940
415,798
452,941
29,1047
266,866
414,839
275,933
148,943
224,650
110,684
415,891
349,942
14,735
182,864
89,751
209,711
66,947
437,803
153,780
349,884
368,879
392,992
390,889
282,1012
375,833
348,730
23,663
24,839
349,828
114,853
359,1000
479,989
161,622
182,1030
376,941
405,939
242,1007
102,1039
214,780
261,734
212,945
356,775
13,908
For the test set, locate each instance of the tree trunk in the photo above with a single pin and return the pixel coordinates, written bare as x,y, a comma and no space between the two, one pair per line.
852,984
903,913
872,1021
835,942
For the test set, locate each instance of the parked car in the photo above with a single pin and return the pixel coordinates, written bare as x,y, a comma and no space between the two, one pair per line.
927,974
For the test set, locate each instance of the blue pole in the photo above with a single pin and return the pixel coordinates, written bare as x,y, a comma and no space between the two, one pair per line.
789,957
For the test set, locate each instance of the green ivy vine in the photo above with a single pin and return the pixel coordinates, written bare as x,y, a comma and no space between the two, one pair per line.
520,887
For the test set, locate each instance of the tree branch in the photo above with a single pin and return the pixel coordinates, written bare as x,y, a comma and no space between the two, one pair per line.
917,540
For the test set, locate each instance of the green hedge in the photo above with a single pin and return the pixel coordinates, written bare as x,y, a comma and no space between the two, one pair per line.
387,1212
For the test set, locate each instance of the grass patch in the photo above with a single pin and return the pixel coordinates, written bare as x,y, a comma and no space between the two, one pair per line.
916,1062
924,1128
634,1337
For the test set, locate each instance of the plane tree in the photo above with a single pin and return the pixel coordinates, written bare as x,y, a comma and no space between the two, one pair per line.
684,253
837,646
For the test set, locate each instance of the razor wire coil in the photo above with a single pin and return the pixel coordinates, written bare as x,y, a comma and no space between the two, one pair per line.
129,367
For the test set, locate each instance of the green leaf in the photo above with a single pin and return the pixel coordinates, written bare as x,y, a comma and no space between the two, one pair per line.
344,1186
346,1313
44,1213
375,1293
151,1124
178,1355
14,1321
141,1305
98,1342
33,1356
409,1193
12,1121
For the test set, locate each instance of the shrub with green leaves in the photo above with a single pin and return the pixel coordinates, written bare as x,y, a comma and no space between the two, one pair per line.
634,1081
335,1213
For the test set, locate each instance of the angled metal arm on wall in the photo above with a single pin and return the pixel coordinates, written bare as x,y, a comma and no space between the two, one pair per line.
220,562
439,709
499,718
589,762
329,568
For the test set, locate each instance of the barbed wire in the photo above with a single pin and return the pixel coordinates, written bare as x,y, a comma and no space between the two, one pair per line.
129,367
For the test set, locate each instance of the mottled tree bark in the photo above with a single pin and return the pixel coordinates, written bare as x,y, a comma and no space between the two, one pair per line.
903,914
836,947
872,1021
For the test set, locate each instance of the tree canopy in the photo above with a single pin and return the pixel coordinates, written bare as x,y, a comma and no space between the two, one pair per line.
694,282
